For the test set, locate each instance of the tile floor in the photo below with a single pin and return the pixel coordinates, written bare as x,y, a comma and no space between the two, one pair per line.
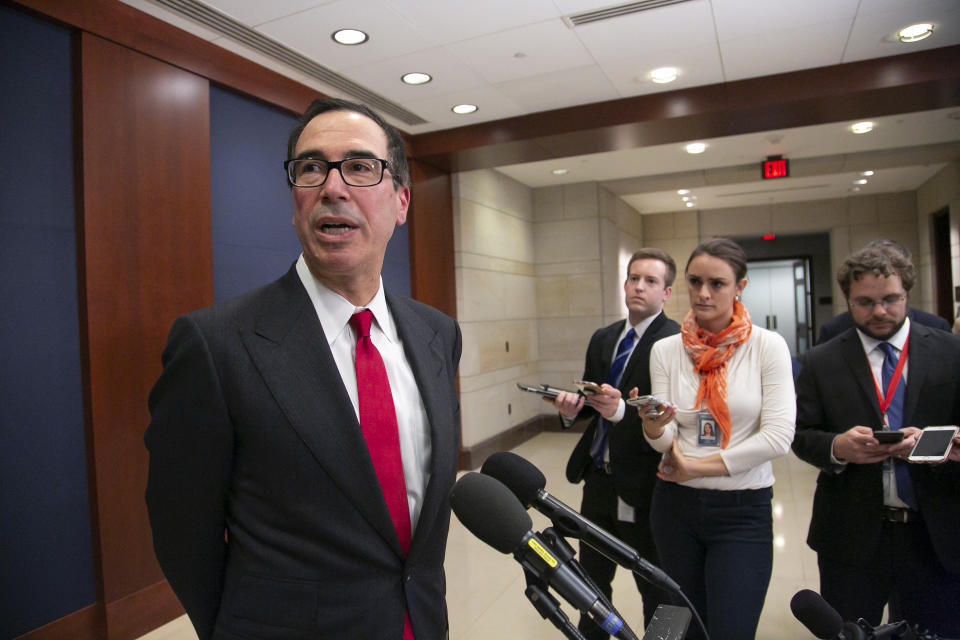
485,588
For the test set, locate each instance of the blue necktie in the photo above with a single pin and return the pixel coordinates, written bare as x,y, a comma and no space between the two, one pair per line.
613,379
895,421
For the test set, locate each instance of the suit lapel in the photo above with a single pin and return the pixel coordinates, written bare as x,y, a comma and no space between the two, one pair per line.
291,352
856,360
421,346
919,351
642,347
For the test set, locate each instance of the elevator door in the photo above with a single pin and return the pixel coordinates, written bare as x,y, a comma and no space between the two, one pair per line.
777,298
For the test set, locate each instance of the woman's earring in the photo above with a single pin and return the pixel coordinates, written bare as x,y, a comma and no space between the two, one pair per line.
738,298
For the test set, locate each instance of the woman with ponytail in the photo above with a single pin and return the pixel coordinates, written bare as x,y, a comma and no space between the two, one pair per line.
729,409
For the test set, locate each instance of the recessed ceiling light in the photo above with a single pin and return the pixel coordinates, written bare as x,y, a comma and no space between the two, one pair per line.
686,198
682,192
417,78
350,36
862,127
855,189
915,32
866,173
463,109
696,147
860,181
560,172
689,204
663,75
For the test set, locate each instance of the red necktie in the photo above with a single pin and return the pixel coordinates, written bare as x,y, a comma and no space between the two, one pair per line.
378,422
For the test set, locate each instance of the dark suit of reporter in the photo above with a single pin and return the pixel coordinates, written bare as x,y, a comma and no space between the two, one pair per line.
865,558
267,515
618,498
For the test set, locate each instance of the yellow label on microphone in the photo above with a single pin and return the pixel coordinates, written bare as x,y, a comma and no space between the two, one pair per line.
543,553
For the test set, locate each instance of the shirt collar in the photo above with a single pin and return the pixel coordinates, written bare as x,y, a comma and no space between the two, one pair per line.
334,311
643,325
897,340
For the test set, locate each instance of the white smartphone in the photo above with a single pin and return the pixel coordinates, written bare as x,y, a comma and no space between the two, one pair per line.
933,445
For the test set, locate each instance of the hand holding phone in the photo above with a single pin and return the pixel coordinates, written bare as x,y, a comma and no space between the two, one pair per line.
587,388
646,405
888,437
934,444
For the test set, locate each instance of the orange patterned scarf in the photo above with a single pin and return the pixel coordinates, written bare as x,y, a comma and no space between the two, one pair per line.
710,352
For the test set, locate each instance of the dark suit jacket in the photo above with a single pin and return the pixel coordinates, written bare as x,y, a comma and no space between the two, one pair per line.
633,462
252,432
840,323
836,391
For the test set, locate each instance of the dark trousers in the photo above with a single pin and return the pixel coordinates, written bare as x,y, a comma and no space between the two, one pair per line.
718,546
906,573
600,506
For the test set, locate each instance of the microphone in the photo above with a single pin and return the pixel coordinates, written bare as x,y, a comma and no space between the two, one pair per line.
527,484
492,513
821,619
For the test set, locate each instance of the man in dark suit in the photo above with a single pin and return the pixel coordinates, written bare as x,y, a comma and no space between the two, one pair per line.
841,322
617,465
884,530
304,436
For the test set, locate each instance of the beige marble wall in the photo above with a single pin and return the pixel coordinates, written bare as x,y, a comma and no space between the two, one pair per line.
538,271
943,190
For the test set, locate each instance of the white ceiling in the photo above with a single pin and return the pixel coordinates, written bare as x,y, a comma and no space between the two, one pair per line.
513,57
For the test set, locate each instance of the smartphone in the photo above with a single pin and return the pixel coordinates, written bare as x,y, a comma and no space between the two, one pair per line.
542,389
646,405
587,388
888,437
933,445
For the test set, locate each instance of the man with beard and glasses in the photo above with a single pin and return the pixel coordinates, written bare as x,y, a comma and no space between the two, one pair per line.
617,465
885,530
304,436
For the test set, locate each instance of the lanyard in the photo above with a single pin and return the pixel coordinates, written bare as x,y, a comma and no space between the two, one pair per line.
885,401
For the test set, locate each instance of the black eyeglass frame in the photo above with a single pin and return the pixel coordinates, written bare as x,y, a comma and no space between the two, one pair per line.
334,164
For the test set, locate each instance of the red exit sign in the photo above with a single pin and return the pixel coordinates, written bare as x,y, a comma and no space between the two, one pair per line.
776,168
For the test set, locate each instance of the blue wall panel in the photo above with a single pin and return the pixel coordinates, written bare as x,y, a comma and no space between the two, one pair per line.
253,240
46,563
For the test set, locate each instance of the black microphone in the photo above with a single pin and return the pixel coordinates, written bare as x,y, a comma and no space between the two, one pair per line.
821,619
492,513
527,483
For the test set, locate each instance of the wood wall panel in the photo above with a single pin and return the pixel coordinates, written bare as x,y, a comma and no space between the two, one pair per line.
145,258
432,276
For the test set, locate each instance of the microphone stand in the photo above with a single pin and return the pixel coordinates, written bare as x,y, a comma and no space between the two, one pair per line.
548,607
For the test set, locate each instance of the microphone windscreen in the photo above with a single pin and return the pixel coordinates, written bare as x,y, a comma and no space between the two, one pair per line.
490,511
517,473
816,614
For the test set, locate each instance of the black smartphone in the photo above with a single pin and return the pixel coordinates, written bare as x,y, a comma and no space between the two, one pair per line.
888,437
542,389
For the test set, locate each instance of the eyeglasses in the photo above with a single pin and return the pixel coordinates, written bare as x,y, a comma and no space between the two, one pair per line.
868,304
356,172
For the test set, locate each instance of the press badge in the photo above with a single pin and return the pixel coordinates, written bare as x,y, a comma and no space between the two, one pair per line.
708,433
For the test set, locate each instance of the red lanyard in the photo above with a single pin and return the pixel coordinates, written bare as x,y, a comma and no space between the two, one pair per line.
894,380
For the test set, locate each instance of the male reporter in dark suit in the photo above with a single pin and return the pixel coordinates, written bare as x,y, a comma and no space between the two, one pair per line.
884,530
617,465
298,475
843,321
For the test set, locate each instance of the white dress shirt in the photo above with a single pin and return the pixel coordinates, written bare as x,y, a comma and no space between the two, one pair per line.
334,312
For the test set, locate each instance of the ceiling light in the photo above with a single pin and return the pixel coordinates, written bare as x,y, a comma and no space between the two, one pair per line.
463,109
855,189
686,198
689,204
866,173
664,75
560,172
682,192
416,78
350,36
862,127
696,147
860,181
915,32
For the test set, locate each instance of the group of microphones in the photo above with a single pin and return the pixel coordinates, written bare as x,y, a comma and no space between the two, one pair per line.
493,505
824,622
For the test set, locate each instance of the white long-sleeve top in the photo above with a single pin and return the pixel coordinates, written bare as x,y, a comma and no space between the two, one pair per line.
761,399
